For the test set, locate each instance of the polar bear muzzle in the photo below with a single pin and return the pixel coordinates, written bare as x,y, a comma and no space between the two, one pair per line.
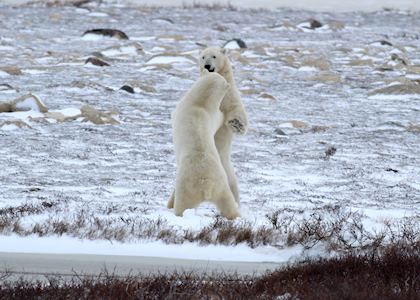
209,68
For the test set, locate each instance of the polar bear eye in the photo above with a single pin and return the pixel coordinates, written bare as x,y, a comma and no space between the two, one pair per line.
203,57
214,56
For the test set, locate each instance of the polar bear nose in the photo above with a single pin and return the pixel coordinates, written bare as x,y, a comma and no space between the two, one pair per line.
208,67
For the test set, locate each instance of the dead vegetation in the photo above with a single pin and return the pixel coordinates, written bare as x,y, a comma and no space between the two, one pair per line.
391,274
335,229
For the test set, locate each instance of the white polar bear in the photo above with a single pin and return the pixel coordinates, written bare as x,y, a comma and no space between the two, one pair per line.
235,119
200,174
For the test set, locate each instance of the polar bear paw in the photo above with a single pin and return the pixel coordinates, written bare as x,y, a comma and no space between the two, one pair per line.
237,125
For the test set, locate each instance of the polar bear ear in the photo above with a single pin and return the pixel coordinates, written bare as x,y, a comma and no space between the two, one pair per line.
223,50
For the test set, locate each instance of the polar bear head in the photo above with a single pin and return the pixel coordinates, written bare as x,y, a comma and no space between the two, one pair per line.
212,59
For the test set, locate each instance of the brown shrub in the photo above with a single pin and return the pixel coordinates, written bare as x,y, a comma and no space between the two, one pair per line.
393,274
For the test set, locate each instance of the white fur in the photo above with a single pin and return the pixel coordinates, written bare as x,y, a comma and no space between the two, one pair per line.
232,109
200,172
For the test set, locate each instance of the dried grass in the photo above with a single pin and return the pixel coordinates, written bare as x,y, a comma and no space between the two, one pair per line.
392,274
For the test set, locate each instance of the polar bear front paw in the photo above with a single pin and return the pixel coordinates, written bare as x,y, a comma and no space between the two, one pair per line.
237,126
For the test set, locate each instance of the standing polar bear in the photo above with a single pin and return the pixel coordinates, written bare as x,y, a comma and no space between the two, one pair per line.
235,119
200,173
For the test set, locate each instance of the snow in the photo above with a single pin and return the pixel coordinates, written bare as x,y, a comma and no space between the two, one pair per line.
66,245
317,5
9,127
33,71
28,104
98,14
95,37
24,115
168,60
404,97
3,74
128,169
69,112
307,69
232,45
6,48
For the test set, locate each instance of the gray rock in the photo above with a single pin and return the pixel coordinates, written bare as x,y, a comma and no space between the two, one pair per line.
115,33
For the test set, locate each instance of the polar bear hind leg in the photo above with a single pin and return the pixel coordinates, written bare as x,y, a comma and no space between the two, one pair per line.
185,198
226,203
223,140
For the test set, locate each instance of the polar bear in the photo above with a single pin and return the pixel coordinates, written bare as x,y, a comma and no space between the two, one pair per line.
200,174
235,119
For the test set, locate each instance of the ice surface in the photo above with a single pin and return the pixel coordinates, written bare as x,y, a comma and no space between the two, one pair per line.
65,245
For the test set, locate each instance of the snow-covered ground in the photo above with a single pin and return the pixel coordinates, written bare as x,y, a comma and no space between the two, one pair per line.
334,123
314,5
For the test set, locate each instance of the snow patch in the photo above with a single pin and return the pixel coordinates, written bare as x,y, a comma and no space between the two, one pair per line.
168,60
68,245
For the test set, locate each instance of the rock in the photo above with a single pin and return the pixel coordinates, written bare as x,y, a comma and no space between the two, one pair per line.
385,69
80,3
175,37
28,102
7,87
298,124
318,128
316,62
97,62
238,56
82,84
17,123
330,151
361,62
397,89
12,70
97,117
267,96
311,24
202,45
127,88
335,25
97,54
315,24
249,91
382,43
402,60
5,107
326,77
415,69
285,25
147,88
235,44
278,131
114,33
413,128
60,117
163,20
220,27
